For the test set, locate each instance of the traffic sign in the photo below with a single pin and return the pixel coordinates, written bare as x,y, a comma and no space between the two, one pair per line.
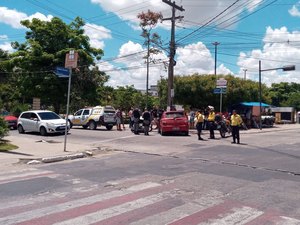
221,83
220,91
62,71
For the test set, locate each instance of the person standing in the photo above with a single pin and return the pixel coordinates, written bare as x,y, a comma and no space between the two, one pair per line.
146,121
199,124
211,122
236,122
118,119
136,120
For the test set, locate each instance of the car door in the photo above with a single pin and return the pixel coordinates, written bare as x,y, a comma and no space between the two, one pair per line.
33,122
85,115
77,117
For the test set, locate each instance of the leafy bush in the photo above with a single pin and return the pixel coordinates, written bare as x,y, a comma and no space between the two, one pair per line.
3,128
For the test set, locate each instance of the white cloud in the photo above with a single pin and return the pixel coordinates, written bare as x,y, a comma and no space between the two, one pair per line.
294,11
197,10
96,34
6,46
40,16
131,67
13,17
278,51
3,37
194,58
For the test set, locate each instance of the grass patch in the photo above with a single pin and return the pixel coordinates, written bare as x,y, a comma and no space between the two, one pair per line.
6,146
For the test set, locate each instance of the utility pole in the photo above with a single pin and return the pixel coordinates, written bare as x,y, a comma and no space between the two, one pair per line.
172,62
245,73
216,44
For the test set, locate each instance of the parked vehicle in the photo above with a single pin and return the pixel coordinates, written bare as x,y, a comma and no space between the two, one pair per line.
42,121
174,122
9,119
92,117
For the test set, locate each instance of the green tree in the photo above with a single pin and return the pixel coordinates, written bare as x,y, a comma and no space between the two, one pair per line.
148,21
47,43
3,129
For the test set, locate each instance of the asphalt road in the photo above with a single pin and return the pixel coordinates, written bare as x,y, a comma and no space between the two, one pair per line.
211,181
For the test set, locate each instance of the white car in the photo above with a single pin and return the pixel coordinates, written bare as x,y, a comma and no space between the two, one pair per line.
42,121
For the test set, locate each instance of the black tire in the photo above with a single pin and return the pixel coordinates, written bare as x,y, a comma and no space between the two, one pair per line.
109,127
223,133
186,133
21,129
162,133
92,125
85,126
43,131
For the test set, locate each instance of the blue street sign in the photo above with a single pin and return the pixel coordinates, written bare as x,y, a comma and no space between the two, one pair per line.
220,90
62,71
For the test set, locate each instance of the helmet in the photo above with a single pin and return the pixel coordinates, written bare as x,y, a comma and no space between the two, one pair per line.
211,107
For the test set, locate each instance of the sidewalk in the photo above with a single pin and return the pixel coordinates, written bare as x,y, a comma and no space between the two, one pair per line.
30,150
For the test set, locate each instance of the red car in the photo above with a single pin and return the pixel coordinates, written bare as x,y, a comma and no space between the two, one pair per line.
174,122
11,121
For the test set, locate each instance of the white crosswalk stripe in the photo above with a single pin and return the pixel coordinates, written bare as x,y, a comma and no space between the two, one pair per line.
239,216
72,204
132,197
113,211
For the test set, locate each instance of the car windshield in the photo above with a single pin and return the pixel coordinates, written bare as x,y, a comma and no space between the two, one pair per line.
48,116
174,114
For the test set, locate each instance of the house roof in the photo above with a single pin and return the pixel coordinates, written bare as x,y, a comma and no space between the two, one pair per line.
254,104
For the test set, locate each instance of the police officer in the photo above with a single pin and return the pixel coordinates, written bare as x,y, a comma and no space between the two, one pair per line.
211,121
236,122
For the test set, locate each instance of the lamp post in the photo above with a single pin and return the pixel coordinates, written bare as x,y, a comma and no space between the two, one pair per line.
284,68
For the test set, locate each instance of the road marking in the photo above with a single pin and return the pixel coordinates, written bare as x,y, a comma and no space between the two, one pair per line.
117,210
16,218
180,211
238,217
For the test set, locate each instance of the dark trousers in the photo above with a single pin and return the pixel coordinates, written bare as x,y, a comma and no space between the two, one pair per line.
211,129
236,133
199,127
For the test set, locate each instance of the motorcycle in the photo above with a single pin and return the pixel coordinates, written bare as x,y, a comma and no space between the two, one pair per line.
141,128
223,126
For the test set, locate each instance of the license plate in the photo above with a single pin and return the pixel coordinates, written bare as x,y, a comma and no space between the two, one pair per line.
61,128
175,128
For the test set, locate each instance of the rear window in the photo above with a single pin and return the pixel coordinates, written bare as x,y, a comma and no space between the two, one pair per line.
48,116
109,111
174,114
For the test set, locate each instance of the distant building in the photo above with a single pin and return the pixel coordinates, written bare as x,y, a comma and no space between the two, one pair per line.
152,91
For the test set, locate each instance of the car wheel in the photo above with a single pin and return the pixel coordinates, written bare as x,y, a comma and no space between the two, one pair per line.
43,131
92,125
109,127
186,133
162,133
21,129
85,126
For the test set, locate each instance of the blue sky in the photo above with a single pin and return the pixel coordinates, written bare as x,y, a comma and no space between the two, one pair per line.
247,30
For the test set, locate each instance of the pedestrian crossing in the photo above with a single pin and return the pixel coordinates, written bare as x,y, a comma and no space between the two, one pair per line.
135,202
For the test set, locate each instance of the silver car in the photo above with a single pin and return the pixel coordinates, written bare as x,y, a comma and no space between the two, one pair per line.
42,121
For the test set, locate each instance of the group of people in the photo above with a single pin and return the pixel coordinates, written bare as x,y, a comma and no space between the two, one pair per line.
235,123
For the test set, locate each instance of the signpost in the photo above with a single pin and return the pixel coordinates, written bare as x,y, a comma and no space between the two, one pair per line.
221,89
70,62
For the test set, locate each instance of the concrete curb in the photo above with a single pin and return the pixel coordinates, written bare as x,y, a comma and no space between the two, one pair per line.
60,158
